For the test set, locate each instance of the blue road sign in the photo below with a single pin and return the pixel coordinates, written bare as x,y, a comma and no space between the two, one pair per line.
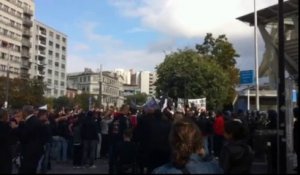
246,77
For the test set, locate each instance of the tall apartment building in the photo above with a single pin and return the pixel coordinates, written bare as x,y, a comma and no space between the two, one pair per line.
49,58
88,82
152,80
125,75
145,80
16,21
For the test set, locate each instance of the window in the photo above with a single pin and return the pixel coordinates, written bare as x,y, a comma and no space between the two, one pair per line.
57,46
63,48
62,83
50,52
56,55
63,66
55,82
56,73
50,62
50,43
62,75
49,72
57,37
63,57
56,64
62,93
64,40
55,91
51,34
49,81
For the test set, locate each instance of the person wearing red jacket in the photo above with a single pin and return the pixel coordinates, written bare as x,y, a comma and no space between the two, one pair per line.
218,134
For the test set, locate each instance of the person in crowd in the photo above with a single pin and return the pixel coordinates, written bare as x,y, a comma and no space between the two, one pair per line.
98,118
218,134
105,121
116,130
236,155
133,117
89,135
32,140
63,135
45,160
6,142
159,148
126,154
296,133
187,151
77,141
272,125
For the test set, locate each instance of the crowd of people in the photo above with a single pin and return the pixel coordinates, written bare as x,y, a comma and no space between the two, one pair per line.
152,140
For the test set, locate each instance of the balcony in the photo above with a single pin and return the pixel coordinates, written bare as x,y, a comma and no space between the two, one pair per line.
27,22
25,65
41,63
42,53
43,32
42,43
27,32
10,24
25,54
26,42
27,11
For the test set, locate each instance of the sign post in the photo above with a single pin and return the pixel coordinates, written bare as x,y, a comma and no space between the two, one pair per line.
246,78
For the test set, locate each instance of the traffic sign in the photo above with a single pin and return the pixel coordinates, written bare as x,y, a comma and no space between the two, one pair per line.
246,77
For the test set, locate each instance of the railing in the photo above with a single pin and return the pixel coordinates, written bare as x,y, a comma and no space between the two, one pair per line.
27,32
25,54
10,36
27,22
10,12
27,11
10,24
25,42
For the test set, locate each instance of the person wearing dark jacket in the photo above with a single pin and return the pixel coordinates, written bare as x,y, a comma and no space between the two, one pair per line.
296,135
236,155
6,142
116,131
32,141
77,142
89,135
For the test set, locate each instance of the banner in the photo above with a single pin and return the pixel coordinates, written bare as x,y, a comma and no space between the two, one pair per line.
200,103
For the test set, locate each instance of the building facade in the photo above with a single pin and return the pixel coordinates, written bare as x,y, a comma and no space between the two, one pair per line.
49,59
88,82
16,21
152,80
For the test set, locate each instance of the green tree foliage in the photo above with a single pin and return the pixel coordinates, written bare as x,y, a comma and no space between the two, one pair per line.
186,74
83,100
222,51
139,99
62,101
22,92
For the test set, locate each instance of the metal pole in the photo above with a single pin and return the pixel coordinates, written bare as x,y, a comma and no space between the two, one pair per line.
248,98
281,93
100,86
7,79
256,57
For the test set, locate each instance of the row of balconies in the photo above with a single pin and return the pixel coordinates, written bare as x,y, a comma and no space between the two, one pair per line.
26,9
10,36
27,22
10,12
26,42
10,24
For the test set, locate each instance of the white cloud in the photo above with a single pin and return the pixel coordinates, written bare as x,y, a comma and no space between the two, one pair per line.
80,47
191,18
137,30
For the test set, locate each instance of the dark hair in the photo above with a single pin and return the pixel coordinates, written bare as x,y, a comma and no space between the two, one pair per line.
185,139
128,133
236,129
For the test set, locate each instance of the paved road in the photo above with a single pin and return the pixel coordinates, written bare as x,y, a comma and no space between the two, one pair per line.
67,168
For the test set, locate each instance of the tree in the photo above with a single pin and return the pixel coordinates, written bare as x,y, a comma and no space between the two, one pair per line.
222,51
186,74
83,100
62,101
22,92
138,99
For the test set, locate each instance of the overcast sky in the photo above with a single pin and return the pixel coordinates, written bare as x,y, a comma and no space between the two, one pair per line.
136,34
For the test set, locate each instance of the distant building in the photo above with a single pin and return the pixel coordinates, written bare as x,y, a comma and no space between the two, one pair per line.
71,92
125,74
49,59
130,89
88,82
145,80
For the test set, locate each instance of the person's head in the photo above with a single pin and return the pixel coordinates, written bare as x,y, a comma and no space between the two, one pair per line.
3,115
125,109
27,110
235,130
185,139
43,115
